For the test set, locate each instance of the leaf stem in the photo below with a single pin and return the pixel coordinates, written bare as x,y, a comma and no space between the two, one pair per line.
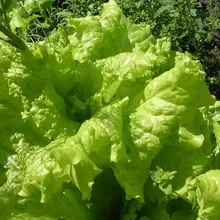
12,38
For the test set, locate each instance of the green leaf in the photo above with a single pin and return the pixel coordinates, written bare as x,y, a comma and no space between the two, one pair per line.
37,5
101,36
17,21
67,205
163,9
199,23
208,195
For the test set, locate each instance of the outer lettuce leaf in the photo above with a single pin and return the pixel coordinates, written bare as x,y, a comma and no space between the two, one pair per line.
140,36
66,201
169,99
50,63
207,193
173,177
67,205
190,142
78,158
39,88
101,36
138,64
50,115
10,107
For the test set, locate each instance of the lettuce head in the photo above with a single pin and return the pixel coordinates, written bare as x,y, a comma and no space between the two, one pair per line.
103,121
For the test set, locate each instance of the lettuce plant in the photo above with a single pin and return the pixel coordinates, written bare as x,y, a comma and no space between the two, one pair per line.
103,121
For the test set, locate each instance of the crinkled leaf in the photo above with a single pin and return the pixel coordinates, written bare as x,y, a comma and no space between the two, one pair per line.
207,193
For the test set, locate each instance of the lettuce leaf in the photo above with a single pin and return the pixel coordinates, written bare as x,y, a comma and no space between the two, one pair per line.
208,195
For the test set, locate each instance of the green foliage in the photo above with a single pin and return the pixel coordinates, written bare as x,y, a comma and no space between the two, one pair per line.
101,120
